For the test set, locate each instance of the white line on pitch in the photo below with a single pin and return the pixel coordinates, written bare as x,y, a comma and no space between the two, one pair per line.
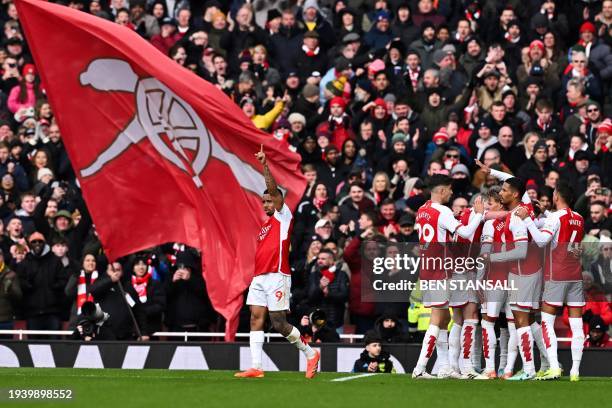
354,377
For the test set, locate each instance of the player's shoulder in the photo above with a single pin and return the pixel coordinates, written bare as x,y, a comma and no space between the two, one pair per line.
488,223
284,212
442,209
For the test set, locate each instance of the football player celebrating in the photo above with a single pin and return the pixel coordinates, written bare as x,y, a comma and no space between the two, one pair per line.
525,272
436,224
561,235
269,291
495,300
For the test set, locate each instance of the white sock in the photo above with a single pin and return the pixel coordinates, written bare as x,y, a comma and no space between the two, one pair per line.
442,350
577,343
489,343
454,344
536,330
468,334
295,338
550,339
525,345
427,348
512,348
504,336
477,351
256,341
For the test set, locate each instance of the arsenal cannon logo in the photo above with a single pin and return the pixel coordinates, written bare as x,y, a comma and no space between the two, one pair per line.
159,111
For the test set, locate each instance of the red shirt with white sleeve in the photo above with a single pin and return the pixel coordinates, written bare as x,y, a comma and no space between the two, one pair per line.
272,254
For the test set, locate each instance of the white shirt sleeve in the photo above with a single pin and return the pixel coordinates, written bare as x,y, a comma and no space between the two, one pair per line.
543,237
467,231
500,175
486,239
521,238
447,220
284,214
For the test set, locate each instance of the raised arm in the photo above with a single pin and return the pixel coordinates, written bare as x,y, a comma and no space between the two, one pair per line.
501,176
271,186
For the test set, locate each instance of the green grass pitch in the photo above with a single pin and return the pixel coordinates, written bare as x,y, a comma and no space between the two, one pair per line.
165,388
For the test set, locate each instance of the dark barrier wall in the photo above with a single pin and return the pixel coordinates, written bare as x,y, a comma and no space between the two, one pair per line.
226,356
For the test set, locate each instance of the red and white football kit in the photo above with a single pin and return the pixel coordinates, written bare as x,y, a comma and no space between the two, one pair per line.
271,285
562,270
436,225
524,262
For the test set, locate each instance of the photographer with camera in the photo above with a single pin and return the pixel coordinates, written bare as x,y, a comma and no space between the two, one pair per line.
91,324
314,328
107,292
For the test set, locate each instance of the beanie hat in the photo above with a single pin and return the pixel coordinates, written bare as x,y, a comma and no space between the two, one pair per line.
245,100
398,137
297,117
376,66
371,337
337,100
605,127
460,168
588,26
36,236
380,102
336,86
28,69
538,44
310,90
440,136
540,144
44,172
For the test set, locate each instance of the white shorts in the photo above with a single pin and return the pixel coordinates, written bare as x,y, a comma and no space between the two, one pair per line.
271,290
560,293
496,300
461,297
437,297
528,293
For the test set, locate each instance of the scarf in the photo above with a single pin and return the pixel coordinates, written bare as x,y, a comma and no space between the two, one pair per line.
543,125
140,285
414,77
82,295
309,52
511,40
319,202
329,273
472,16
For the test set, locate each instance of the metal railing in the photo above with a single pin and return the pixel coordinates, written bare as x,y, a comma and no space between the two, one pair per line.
186,335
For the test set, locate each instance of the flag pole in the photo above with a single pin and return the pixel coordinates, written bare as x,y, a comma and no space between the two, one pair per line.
123,294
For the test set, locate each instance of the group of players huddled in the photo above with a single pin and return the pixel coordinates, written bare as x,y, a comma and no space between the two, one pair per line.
538,259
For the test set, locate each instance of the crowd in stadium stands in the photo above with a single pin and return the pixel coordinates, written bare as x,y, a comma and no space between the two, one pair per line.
375,95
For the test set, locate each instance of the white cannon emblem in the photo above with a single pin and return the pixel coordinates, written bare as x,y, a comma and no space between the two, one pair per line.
159,111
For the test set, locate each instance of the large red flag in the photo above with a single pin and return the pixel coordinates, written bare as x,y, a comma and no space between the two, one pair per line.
161,154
